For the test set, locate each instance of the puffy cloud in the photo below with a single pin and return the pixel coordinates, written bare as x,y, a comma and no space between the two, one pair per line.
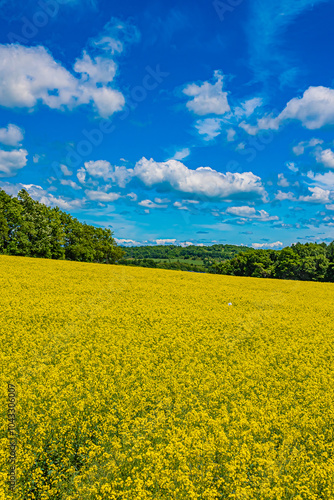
103,169
230,134
299,149
276,244
326,157
70,183
62,203
165,242
209,128
101,196
314,110
30,75
11,135
12,161
282,181
318,195
251,213
325,180
248,107
65,170
330,207
208,98
151,204
204,181
241,211
281,196
126,242
43,196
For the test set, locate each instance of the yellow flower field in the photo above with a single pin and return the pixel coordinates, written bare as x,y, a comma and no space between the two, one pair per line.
140,384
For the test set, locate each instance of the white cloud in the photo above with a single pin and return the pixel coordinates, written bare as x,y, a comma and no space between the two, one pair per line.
314,110
248,107
251,213
208,98
151,204
241,211
292,166
330,207
12,135
65,170
230,134
204,181
180,155
60,202
209,128
104,170
326,157
30,75
280,196
12,161
70,183
318,195
299,149
276,244
126,242
101,196
41,195
282,181
325,180
161,200
165,242
133,196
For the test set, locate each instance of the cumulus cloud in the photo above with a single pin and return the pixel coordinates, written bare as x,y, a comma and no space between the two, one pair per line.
12,135
104,170
126,242
209,128
314,110
12,161
30,76
208,98
165,242
325,180
43,196
281,196
65,170
299,149
151,204
318,195
70,183
251,213
204,181
276,244
325,157
101,196
282,181
247,107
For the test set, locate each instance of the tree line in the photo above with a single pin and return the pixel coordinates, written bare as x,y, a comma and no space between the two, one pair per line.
30,228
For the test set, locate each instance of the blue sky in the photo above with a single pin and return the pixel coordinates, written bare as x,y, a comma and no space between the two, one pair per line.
173,122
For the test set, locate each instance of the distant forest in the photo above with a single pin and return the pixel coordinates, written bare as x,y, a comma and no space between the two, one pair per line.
305,262
30,228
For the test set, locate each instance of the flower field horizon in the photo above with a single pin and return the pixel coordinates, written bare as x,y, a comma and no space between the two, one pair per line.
137,384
